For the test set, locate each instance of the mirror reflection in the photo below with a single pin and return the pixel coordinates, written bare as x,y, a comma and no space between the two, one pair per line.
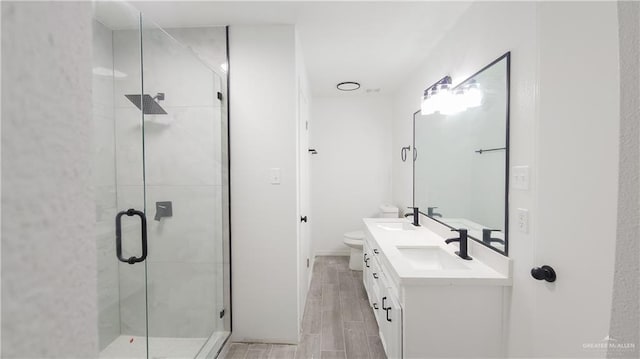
461,154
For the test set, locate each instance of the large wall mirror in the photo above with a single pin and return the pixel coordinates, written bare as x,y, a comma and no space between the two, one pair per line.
461,155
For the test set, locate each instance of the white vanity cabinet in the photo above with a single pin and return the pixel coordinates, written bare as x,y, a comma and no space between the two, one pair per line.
431,314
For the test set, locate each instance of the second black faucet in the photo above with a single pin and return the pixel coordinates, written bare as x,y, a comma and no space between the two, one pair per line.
416,216
463,239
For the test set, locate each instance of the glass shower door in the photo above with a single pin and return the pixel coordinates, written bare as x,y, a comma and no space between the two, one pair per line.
183,168
119,181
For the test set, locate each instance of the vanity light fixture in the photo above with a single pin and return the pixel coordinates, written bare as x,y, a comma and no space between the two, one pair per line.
348,86
442,98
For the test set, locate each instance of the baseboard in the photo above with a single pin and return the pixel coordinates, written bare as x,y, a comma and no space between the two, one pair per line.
337,253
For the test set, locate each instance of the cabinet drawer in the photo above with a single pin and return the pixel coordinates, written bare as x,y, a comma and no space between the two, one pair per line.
366,270
376,300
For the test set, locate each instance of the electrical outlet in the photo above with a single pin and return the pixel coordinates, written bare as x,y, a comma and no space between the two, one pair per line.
520,177
522,220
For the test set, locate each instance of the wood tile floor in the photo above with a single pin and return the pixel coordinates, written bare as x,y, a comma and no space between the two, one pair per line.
337,324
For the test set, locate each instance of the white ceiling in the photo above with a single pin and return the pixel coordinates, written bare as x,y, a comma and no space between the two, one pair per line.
375,43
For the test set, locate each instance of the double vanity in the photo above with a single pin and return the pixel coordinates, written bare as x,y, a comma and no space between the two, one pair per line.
441,289
429,302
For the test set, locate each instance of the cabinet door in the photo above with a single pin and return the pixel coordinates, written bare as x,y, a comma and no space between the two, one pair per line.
383,325
393,319
390,322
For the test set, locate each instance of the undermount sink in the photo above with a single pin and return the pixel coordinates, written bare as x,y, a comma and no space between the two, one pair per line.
431,258
396,226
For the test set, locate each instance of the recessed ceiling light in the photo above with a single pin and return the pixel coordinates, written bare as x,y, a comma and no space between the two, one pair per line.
348,86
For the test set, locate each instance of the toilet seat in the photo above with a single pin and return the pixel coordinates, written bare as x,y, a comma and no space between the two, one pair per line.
356,243
354,239
357,235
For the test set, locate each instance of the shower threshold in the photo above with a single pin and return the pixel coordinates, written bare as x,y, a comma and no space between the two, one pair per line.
135,347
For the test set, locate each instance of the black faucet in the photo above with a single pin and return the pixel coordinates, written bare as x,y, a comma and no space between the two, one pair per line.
486,236
463,239
433,214
416,216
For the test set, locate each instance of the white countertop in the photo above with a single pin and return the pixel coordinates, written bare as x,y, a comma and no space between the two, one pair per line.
475,271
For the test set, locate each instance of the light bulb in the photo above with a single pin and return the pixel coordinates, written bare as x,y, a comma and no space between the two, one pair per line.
458,101
473,96
435,101
449,102
427,106
446,105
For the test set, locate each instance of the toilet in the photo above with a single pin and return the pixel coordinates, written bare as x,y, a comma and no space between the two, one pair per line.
355,239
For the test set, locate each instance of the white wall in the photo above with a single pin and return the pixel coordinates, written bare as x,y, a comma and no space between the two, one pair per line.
577,173
555,134
208,43
625,311
351,174
263,132
49,260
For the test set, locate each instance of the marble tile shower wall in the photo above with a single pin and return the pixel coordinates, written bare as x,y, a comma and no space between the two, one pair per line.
104,173
183,165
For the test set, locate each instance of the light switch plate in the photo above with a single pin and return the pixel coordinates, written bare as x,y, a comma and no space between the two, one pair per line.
520,177
522,220
274,175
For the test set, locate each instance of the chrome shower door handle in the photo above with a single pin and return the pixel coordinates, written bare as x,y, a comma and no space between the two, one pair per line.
143,224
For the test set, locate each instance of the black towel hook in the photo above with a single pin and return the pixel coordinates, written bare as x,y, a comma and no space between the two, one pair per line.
403,153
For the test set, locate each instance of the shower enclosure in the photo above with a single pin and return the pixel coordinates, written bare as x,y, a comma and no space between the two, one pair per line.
161,181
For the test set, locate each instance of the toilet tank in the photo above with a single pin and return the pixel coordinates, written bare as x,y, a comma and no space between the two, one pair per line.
389,211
